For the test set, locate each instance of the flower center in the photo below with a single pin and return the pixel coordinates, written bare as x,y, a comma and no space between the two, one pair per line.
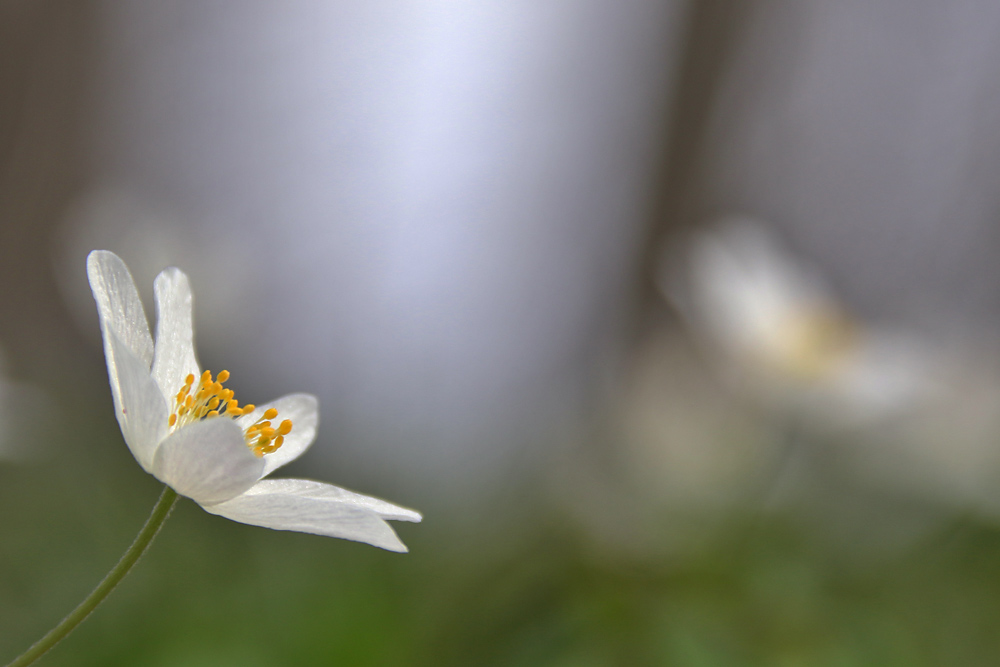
209,399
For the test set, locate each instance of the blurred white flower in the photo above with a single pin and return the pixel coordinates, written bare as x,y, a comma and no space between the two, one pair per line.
188,431
783,334
909,411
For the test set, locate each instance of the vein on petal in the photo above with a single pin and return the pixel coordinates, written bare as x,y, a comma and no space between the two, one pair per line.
174,356
119,305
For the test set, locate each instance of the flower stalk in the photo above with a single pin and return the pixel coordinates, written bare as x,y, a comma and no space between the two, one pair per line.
128,560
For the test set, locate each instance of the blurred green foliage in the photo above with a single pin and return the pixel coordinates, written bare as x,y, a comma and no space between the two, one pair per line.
503,591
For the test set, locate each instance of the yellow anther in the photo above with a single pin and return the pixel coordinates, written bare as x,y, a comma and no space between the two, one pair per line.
210,399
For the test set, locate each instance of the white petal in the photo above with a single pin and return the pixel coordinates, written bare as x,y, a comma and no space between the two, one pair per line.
321,509
311,489
174,357
303,410
119,305
207,461
139,405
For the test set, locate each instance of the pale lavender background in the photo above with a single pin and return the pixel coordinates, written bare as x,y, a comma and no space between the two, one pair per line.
428,213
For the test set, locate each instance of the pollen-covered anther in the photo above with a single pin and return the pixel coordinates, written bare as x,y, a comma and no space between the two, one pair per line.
262,437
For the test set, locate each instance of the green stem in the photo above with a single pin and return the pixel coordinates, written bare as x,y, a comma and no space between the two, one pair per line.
156,518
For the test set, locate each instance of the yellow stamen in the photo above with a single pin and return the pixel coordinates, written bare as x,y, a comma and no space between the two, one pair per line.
209,399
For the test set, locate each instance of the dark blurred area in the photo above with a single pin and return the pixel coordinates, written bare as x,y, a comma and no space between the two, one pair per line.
48,60
677,320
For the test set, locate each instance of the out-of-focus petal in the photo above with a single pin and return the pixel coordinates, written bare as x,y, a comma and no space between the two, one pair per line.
174,356
303,410
139,405
207,461
312,507
119,306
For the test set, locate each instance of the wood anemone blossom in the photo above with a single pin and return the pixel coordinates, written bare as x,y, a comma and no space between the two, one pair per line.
189,431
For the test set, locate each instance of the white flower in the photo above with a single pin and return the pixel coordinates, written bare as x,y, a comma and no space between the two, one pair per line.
778,323
188,431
